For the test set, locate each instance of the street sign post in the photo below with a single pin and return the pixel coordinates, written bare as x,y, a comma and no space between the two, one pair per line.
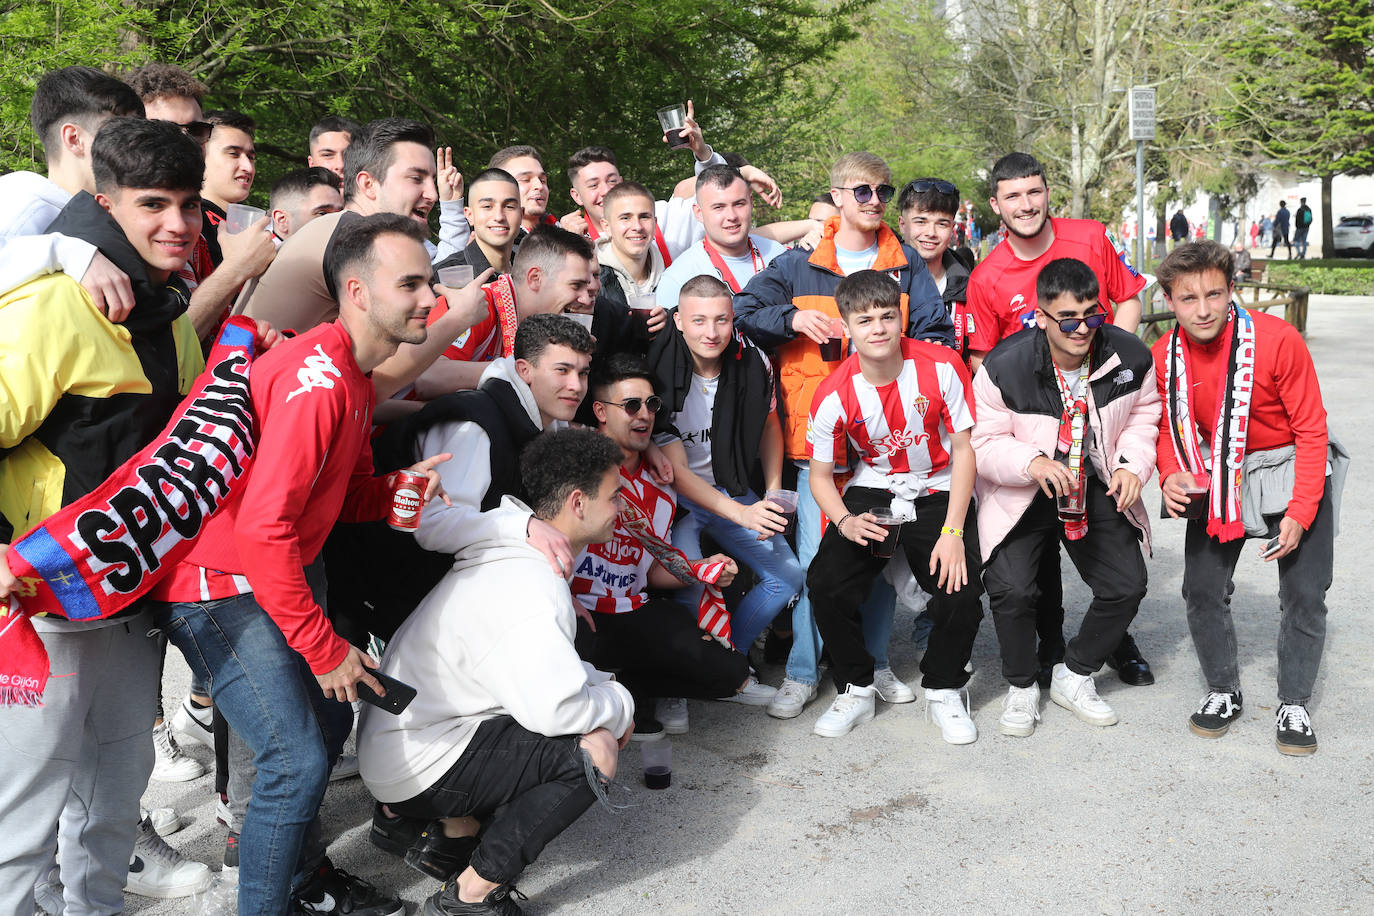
1142,117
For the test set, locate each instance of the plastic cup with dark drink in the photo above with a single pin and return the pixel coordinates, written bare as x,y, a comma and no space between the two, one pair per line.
833,349
1197,496
786,500
658,763
893,523
1074,506
641,307
673,119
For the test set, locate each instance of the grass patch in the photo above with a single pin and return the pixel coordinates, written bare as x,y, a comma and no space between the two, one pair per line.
1336,277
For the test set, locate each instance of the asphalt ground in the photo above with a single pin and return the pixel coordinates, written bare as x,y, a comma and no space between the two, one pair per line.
763,817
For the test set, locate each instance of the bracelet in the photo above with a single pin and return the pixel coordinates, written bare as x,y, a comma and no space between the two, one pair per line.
839,526
957,532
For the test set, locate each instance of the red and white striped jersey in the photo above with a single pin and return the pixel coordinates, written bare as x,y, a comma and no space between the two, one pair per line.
900,429
611,578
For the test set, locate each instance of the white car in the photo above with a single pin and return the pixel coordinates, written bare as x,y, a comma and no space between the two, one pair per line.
1354,235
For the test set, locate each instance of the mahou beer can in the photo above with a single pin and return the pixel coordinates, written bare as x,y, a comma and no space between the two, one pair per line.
406,500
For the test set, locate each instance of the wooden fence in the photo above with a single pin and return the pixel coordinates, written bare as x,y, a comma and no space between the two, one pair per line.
1260,296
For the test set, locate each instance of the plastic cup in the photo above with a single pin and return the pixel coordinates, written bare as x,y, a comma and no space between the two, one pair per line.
893,523
642,306
584,320
1073,506
238,217
833,349
657,757
457,276
1197,496
672,119
787,499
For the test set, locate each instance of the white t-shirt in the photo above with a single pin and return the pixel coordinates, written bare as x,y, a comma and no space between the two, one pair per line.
851,262
694,423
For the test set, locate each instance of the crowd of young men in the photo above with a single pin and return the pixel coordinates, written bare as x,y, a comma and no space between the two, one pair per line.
606,389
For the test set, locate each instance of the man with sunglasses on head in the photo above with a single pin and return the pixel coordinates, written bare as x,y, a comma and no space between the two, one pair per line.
1002,301
927,209
790,306
1066,409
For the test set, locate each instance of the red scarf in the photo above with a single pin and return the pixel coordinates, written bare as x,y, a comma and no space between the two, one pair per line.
1070,443
724,270
502,292
98,555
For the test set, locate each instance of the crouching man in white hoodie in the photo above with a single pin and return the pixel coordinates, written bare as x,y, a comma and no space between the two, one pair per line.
506,717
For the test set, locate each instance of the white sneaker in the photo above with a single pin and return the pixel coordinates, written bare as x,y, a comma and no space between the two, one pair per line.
195,725
790,699
222,812
172,763
890,689
1020,711
1078,694
165,821
851,708
47,894
947,709
346,767
158,870
671,712
753,694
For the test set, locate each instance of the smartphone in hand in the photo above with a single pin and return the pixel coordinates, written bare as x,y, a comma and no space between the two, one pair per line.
1269,550
398,694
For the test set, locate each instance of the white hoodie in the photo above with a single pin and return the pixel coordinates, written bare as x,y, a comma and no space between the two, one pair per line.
467,476
494,638
29,203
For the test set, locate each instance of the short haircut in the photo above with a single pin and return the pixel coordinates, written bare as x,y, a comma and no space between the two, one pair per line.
138,153
557,462
157,81
333,124
1194,258
502,156
619,367
372,149
736,161
546,247
867,289
705,286
860,165
824,198
298,182
235,119
494,174
1013,166
929,200
720,176
537,333
625,189
354,240
81,95
586,156
1066,275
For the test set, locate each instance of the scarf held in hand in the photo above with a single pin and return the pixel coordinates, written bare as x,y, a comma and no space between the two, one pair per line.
98,555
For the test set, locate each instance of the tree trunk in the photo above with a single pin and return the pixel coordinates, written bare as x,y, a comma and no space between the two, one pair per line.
1328,244
1075,171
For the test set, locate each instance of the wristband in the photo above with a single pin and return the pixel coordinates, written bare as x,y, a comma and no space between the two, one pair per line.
839,526
957,532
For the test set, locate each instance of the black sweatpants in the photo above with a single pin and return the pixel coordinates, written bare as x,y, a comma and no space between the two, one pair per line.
842,575
1109,560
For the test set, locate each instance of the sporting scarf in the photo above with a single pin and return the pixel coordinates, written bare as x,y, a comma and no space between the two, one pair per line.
502,292
726,274
1224,520
712,615
98,555
1070,441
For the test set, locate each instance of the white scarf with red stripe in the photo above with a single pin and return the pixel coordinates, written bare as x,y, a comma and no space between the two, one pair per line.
1224,521
712,615
1070,442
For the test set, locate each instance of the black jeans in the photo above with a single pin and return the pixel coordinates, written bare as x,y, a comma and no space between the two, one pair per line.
1109,560
1304,577
658,651
526,788
842,574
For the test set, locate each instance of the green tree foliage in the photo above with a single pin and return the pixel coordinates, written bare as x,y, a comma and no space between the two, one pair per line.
556,73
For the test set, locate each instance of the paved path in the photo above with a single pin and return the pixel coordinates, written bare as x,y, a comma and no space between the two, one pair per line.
765,818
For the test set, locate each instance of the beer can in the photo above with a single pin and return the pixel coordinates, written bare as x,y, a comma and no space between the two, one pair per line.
407,500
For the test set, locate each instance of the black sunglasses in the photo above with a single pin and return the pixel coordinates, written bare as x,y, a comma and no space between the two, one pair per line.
864,193
1069,325
922,185
632,405
198,131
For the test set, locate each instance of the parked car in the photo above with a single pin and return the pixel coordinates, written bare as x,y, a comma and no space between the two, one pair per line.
1354,235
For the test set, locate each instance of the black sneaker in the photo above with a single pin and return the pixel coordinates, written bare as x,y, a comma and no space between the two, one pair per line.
394,834
1294,731
333,890
231,851
1215,715
445,902
440,856
1130,665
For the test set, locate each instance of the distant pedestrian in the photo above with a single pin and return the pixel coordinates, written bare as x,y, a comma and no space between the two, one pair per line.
1302,221
1178,227
1254,234
1266,230
1281,230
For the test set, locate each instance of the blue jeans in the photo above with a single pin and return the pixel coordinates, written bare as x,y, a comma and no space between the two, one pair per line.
269,697
780,575
803,665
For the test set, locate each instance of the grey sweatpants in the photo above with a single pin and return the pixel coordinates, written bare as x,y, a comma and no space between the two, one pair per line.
81,761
